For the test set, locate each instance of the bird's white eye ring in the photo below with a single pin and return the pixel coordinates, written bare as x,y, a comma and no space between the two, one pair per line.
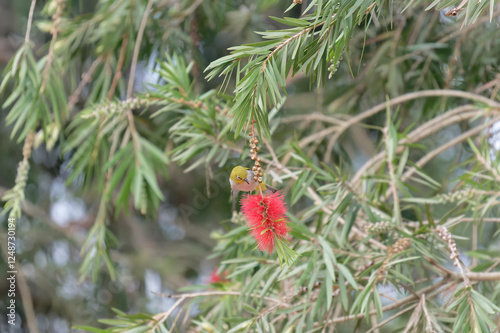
238,177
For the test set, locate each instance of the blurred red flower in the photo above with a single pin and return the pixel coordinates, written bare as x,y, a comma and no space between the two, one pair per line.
217,278
266,218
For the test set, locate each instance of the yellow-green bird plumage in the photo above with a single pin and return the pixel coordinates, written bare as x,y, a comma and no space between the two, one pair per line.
242,179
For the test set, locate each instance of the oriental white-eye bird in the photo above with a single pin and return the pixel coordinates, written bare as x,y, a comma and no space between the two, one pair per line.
242,179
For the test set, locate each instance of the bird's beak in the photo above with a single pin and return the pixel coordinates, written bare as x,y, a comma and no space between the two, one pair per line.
246,180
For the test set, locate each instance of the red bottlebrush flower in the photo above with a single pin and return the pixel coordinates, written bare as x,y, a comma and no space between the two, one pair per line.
217,278
266,218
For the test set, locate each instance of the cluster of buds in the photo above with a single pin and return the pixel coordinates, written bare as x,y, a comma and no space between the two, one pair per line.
22,175
132,103
28,145
456,196
379,227
23,167
446,236
15,195
254,154
400,245
333,69
383,269
119,107
56,7
335,66
422,236
452,246
413,224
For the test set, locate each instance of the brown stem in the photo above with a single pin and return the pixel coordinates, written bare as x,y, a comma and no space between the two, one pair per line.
27,300
30,21
86,77
161,317
130,87
118,73
137,48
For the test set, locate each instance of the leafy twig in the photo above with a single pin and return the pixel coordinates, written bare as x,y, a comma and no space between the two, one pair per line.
30,21
161,317
55,32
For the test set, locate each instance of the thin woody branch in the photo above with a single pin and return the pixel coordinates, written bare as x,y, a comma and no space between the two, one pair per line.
220,293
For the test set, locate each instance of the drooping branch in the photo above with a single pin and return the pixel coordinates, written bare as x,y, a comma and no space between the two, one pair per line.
418,134
435,152
395,101
220,293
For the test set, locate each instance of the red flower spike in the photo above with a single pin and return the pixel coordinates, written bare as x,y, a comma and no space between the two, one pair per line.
266,218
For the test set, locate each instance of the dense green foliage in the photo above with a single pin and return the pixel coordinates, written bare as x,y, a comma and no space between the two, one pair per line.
375,118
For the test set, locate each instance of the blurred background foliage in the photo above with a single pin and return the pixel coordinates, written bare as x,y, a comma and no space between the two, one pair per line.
128,176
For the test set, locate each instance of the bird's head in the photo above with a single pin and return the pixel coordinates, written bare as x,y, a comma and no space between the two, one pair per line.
239,175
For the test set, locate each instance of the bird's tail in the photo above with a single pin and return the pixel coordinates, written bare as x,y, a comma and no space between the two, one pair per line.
266,189
234,196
